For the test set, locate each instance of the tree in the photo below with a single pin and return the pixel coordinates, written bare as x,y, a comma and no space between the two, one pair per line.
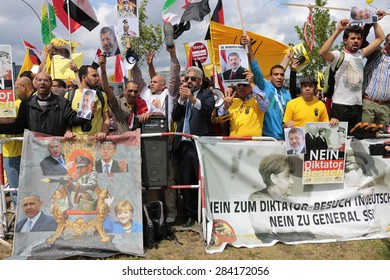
323,28
150,36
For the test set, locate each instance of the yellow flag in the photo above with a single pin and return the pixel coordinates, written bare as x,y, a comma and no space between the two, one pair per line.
320,81
60,66
27,63
268,52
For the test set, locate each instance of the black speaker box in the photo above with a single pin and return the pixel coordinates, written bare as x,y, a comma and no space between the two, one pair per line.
154,153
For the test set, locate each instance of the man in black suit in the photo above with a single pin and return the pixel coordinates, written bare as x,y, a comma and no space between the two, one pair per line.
296,140
107,164
36,220
192,112
54,164
236,71
321,142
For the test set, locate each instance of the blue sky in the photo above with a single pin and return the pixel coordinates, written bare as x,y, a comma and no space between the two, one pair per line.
268,18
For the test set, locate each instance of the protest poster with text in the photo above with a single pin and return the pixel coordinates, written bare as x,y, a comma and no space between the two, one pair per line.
79,197
325,153
7,96
255,197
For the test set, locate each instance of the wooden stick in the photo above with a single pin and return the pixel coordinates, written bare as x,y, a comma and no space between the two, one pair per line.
242,22
319,7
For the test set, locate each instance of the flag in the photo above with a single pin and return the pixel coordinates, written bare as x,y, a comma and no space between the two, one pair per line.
34,53
95,63
82,12
118,72
62,15
27,63
48,21
268,52
217,16
180,12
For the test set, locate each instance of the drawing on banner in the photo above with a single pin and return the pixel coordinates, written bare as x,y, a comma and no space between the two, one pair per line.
68,208
127,18
84,111
363,15
325,156
7,96
295,140
234,62
109,42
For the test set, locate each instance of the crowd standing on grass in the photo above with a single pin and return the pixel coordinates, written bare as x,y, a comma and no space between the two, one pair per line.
253,107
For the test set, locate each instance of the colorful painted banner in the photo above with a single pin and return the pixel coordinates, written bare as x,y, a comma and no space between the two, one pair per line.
7,96
255,197
79,198
127,19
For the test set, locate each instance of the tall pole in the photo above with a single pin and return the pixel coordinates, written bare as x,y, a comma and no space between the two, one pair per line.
32,9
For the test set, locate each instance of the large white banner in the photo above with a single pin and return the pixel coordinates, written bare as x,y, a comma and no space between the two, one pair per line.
255,196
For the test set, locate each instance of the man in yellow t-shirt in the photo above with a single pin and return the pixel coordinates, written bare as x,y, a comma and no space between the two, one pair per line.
306,108
247,111
99,125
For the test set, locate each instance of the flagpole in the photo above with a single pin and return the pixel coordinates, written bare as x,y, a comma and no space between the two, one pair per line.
242,22
70,39
319,7
50,33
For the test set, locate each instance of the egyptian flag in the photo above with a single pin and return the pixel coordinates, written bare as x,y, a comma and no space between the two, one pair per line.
95,63
82,12
62,15
34,53
118,71
180,12
217,16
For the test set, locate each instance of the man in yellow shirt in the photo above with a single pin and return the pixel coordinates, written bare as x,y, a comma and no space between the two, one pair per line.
99,125
306,108
247,110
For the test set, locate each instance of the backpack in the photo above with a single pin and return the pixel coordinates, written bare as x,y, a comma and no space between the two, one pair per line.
98,93
329,81
154,226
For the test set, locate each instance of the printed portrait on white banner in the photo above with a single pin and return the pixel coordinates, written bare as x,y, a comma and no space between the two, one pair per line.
234,62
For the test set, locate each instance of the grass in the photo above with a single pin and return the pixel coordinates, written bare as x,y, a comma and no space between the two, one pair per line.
193,248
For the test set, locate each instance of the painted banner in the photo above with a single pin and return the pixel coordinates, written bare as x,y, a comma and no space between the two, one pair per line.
255,197
127,18
79,198
325,153
7,96
268,52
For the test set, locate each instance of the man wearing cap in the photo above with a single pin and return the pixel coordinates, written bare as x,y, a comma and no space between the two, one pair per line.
306,108
83,187
54,164
247,110
126,28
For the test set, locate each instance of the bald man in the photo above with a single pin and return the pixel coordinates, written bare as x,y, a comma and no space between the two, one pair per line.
24,87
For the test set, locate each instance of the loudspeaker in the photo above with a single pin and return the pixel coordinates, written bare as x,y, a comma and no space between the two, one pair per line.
154,153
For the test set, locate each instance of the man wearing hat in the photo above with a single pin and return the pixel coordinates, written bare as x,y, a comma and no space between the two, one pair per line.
83,187
247,110
128,10
306,108
126,28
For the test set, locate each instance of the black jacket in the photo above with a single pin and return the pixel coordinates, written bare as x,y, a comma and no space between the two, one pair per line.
54,120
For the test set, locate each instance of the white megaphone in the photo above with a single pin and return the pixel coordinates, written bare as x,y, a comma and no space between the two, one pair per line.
218,96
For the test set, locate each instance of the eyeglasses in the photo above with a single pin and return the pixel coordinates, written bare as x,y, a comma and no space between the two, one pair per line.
242,85
193,78
132,90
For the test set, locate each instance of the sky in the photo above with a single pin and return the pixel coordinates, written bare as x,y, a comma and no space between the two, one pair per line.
17,21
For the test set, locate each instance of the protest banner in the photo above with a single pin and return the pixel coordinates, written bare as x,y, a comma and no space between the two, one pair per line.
78,198
7,96
127,19
255,197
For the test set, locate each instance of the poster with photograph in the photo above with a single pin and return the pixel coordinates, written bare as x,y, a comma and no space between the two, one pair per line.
324,160
109,42
7,95
127,18
87,98
234,62
78,197
362,15
295,140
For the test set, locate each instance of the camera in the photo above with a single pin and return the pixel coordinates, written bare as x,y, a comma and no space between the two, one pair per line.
379,150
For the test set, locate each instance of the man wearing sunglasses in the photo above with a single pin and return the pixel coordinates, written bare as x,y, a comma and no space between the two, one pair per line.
129,110
192,112
247,110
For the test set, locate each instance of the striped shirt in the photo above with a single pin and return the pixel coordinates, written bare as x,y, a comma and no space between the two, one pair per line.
378,85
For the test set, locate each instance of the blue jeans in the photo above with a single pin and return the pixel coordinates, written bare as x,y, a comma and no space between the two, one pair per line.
12,169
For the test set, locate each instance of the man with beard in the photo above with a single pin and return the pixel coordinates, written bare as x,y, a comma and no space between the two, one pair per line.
130,110
99,125
347,97
192,112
